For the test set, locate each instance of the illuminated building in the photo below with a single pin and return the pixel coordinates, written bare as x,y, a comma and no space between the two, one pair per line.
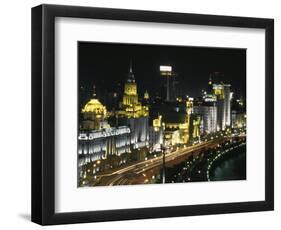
130,106
189,106
146,95
181,125
146,99
193,120
207,110
94,114
130,97
99,144
224,96
182,133
133,114
96,139
156,134
194,127
172,137
170,83
176,125
238,113
227,104
238,119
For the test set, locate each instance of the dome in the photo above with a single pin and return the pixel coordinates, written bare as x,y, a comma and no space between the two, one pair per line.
94,106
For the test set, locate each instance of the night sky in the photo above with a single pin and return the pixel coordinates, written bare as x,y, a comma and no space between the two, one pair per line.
106,66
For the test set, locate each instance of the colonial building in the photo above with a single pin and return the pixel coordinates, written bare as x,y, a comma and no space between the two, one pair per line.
133,114
99,144
194,121
156,135
94,115
96,139
179,123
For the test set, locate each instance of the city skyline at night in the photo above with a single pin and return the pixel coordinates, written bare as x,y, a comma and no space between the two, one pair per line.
106,65
151,114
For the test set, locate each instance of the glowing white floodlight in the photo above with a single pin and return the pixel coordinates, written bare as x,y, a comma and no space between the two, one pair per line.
165,68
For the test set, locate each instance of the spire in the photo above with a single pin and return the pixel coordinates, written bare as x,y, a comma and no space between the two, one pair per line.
131,77
146,95
131,69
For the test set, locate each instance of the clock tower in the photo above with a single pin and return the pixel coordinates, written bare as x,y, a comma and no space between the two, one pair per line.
130,90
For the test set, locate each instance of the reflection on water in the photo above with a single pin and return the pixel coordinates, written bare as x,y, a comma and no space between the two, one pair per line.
233,168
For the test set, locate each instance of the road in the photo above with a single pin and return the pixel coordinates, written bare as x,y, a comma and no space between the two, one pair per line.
136,173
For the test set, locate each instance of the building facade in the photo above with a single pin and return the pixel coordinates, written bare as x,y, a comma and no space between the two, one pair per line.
99,144
94,114
208,112
133,114
224,97
238,119
96,139
156,135
170,83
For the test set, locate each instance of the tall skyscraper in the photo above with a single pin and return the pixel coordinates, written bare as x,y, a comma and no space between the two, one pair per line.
227,100
224,96
170,82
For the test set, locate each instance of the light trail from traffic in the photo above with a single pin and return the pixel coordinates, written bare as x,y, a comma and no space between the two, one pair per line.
127,174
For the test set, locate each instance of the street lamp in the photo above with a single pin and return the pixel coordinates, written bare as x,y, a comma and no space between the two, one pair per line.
163,163
163,170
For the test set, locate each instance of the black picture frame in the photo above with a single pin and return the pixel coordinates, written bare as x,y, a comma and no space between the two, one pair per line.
43,114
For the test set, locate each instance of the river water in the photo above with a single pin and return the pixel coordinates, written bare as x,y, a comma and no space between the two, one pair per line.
233,168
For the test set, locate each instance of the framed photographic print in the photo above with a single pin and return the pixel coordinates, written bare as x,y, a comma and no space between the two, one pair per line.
141,114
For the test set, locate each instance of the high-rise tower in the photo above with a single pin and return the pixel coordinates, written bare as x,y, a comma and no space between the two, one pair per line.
224,96
170,82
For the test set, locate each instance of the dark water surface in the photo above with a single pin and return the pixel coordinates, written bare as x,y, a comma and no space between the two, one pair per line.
233,168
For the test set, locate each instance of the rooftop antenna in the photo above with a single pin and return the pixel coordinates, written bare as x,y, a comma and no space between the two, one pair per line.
94,91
